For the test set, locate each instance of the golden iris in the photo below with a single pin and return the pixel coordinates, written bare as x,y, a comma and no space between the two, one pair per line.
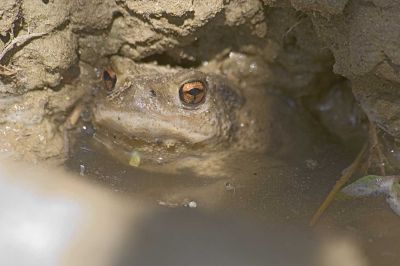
193,92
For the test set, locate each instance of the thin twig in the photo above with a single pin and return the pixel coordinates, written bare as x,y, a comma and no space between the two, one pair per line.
300,20
375,146
75,115
293,27
339,184
70,123
19,41
6,71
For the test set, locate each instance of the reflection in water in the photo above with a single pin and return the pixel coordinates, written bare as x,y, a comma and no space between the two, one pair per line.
183,237
288,185
275,189
258,209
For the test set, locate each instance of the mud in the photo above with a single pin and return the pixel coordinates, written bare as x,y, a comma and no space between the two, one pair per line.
301,49
315,56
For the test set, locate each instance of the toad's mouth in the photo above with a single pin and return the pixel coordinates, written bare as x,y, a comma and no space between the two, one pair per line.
153,129
122,147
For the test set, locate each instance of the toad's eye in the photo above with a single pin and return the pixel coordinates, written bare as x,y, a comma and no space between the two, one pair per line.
110,78
193,93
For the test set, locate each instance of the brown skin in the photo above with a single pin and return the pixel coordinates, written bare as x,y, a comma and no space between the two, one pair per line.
190,119
160,108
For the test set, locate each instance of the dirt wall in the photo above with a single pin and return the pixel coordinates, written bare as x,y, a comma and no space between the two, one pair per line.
51,53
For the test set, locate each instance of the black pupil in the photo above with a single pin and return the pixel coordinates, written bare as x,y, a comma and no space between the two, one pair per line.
195,91
106,76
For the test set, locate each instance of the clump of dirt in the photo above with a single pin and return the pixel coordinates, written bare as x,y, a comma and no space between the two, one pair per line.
51,52
364,41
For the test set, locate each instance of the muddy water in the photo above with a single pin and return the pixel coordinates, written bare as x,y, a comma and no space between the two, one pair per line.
273,189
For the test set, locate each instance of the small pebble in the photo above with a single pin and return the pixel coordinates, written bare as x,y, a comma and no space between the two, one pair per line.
192,204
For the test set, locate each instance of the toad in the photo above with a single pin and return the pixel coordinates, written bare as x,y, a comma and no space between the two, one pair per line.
163,114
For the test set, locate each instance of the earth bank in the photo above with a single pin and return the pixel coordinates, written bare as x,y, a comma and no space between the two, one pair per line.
52,51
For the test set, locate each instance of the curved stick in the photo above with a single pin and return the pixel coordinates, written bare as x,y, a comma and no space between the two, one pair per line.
339,184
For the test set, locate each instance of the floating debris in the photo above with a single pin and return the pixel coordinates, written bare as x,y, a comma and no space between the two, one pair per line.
311,164
82,170
367,186
167,204
230,187
189,203
135,159
371,185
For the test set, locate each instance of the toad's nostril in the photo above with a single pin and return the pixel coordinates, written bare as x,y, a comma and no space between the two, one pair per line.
153,93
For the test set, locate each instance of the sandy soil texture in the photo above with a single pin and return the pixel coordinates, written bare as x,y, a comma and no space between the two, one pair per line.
51,52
